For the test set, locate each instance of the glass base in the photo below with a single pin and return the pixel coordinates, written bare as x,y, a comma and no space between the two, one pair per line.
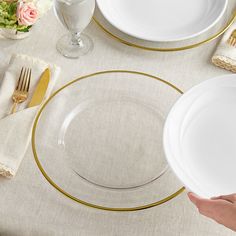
74,49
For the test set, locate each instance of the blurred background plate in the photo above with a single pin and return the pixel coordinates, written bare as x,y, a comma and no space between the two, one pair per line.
98,140
203,36
163,20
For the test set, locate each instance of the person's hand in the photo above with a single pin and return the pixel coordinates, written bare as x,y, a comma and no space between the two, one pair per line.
221,209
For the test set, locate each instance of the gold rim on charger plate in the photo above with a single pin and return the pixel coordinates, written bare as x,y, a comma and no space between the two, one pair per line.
117,38
63,191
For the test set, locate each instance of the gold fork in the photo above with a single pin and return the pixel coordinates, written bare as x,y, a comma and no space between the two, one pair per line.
232,39
22,89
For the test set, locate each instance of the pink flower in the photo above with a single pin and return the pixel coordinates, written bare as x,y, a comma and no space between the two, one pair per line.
26,13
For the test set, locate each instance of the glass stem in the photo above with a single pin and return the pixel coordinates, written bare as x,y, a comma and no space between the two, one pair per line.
76,40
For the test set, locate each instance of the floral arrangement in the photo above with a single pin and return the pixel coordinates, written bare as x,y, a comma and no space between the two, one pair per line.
20,15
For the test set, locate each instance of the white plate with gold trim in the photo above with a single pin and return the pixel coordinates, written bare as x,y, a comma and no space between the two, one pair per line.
200,137
163,20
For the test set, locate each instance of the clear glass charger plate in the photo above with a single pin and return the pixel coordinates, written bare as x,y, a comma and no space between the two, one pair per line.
98,140
212,33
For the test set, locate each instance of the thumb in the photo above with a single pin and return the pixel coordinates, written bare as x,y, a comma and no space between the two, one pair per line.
200,202
208,207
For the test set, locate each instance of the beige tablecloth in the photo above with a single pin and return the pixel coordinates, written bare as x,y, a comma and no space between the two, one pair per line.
30,206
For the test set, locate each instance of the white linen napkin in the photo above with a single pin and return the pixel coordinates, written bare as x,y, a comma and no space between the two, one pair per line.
225,55
15,129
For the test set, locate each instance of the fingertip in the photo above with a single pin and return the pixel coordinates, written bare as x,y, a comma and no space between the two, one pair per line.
193,197
190,194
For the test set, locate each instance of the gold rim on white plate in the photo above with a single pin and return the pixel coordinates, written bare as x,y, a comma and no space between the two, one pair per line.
174,49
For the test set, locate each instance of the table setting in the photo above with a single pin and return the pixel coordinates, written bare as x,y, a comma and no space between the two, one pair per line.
111,111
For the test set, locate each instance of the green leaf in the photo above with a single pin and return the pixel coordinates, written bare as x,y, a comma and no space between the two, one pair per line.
23,28
12,8
8,17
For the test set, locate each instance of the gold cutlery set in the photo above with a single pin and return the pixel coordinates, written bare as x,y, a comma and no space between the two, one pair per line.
21,92
224,61
232,39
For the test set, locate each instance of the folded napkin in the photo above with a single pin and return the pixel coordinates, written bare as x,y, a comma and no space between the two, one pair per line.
225,55
15,129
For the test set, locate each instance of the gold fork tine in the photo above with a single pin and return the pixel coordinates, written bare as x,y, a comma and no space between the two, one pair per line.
232,39
27,80
21,92
24,76
234,42
20,78
23,80
28,86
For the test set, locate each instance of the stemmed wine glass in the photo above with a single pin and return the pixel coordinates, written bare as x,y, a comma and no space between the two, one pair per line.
75,15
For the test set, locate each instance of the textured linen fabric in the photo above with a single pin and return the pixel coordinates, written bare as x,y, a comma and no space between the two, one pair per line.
31,206
16,128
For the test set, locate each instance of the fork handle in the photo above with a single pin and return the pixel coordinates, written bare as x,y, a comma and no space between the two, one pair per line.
13,109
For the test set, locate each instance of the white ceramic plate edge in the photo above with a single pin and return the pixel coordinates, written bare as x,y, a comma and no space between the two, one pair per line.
153,39
180,173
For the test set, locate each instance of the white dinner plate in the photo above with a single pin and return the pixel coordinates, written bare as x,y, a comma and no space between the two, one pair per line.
200,137
163,20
